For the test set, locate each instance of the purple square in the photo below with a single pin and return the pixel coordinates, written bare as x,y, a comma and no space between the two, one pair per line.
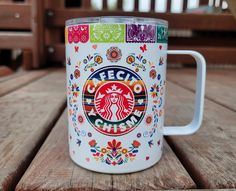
140,33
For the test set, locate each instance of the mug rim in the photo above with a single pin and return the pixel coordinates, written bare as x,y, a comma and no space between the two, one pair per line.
116,20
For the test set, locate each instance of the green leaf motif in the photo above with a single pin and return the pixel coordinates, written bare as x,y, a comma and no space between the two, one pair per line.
162,34
107,33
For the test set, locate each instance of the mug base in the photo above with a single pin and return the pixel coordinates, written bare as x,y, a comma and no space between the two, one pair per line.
120,170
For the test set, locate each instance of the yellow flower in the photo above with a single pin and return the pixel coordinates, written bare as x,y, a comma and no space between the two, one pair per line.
130,59
124,151
103,150
98,59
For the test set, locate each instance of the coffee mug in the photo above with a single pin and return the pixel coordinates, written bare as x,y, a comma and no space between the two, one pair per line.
116,81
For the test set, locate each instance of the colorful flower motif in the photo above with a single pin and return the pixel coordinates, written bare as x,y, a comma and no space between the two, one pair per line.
161,61
130,59
136,144
92,61
107,33
149,119
114,153
103,150
75,90
77,73
154,90
80,119
78,33
153,74
114,54
68,62
162,34
92,143
98,59
137,61
140,33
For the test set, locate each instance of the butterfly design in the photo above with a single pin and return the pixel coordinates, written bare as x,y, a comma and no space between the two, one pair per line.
76,49
143,48
161,61
68,61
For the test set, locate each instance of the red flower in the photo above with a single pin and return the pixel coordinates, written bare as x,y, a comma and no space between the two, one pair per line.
153,74
77,73
92,143
114,145
136,144
80,119
113,163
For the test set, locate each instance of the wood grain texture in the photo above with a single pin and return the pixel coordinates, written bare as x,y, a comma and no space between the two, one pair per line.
213,55
14,16
220,84
168,173
10,40
26,117
5,71
208,155
209,22
52,169
17,82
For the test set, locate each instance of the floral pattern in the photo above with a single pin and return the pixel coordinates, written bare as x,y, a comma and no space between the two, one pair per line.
138,61
114,153
92,61
107,33
140,33
162,34
78,33
114,54
154,90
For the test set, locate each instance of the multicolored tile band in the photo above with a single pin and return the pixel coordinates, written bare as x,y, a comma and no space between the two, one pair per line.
116,33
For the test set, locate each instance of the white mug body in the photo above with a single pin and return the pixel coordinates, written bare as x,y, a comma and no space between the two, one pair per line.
116,77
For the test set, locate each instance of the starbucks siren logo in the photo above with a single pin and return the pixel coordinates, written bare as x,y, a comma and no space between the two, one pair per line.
114,100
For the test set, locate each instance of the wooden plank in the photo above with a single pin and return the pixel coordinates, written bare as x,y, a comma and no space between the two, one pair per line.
208,22
220,85
5,71
166,174
218,55
37,22
52,169
153,3
17,82
15,16
16,74
168,5
11,40
26,117
86,4
119,4
208,155
104,4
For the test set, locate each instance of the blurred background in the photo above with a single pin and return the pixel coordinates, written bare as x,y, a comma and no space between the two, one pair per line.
32,31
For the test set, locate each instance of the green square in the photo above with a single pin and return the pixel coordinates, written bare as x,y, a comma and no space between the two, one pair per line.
107,33
162,34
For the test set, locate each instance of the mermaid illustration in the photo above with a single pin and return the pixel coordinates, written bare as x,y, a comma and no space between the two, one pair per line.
115,105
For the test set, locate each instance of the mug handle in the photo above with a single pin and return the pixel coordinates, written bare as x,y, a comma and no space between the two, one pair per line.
195,124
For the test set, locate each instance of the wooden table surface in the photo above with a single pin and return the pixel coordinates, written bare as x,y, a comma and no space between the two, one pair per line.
33,137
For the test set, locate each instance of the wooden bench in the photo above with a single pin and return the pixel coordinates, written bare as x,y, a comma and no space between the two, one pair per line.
34,157
217,46
22,27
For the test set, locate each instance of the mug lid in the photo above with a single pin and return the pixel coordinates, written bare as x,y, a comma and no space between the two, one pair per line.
116,19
